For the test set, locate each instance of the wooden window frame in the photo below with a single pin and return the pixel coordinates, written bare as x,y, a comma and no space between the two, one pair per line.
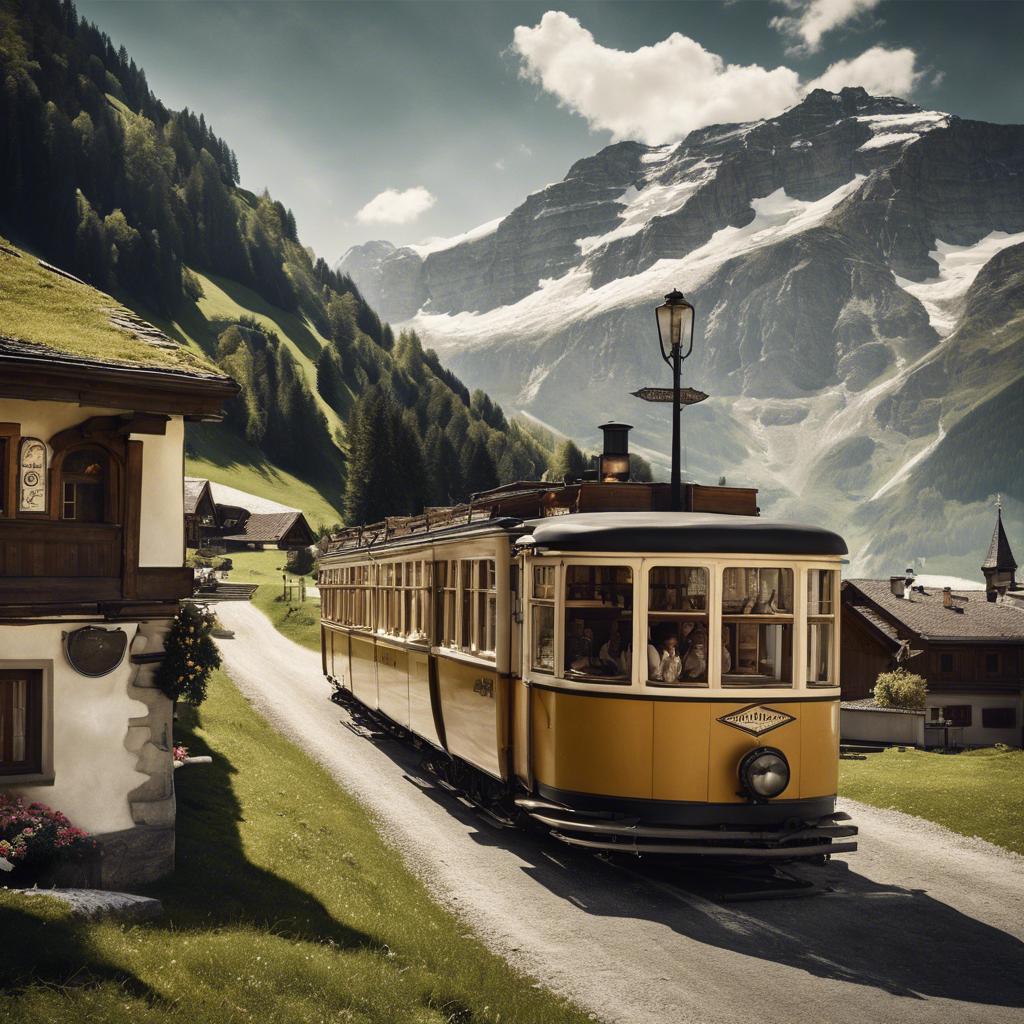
822,619
780,618
10,434
38,767
536,603
681,616
988,712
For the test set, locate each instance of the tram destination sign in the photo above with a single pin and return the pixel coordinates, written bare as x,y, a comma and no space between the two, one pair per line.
687,396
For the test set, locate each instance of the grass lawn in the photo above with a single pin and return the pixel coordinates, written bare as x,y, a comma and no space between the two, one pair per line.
976,793
286,906
215,453
299,621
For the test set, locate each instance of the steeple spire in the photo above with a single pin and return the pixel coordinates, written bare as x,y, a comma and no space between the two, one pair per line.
999,566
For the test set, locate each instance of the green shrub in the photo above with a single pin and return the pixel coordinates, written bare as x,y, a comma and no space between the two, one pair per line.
189,656
900,689
300,561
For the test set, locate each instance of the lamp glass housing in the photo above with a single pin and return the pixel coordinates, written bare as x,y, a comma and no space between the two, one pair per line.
675,324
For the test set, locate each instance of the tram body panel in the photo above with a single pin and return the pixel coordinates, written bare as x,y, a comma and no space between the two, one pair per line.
364,670
819,748
475,710
421,711
729,744
682,738
595,745
392,682
336,648
521,697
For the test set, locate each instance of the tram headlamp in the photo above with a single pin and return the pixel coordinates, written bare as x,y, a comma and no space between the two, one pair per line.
764,772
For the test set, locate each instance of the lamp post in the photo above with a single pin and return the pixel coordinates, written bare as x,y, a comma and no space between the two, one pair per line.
675,332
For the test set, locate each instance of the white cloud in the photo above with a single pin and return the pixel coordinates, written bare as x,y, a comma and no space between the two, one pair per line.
813,18
655,94
659,93
499,164
394,207
882,72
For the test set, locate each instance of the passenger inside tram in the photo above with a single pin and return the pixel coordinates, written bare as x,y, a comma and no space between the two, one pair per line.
677,626
598,611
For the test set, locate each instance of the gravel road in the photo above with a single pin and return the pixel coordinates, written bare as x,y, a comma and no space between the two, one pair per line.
919,925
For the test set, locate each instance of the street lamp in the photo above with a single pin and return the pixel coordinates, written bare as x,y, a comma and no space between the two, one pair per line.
675,332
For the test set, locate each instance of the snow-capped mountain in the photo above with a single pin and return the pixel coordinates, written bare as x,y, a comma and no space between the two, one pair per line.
857,267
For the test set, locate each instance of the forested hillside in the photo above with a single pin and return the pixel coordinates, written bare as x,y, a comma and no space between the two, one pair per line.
98,176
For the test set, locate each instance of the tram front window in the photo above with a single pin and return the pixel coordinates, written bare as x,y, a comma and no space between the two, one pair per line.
677,626
757,627
598,623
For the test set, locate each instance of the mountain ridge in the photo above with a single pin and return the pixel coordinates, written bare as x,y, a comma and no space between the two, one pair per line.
831,253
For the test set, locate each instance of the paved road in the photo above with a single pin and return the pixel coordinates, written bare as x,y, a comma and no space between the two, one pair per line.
922,926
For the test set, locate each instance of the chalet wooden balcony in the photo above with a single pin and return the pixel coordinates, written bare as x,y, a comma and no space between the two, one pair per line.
46,564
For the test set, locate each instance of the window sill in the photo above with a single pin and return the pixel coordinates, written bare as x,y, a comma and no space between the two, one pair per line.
34,779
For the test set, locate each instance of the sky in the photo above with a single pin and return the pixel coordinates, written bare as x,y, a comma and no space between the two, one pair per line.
417,120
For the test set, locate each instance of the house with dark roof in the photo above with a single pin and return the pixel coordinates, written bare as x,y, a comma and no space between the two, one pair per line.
235,526
968,645
286,530
201,511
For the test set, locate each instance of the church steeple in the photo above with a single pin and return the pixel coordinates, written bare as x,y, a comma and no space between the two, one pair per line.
999,566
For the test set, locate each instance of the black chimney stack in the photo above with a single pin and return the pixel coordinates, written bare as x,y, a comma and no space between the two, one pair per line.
614,462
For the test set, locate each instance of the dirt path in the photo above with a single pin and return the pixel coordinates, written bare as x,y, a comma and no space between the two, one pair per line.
923,926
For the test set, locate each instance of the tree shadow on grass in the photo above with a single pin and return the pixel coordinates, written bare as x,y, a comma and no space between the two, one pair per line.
54,949
215,883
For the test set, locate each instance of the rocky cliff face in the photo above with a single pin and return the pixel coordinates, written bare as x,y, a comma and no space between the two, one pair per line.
856,266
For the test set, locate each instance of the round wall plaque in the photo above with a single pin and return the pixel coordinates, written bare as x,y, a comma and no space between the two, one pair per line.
92,651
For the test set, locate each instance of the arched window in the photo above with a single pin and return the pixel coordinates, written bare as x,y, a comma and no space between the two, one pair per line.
85,483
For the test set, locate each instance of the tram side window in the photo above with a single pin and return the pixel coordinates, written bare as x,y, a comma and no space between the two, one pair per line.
757,627
542,619
677,626
599,623
479,606
821,599
416,600
449,603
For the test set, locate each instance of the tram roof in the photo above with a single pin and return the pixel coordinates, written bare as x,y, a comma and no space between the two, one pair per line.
681,531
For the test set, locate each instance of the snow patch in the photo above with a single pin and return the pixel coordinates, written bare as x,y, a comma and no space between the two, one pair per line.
643,205
958,267
570,298
904,471
425,248
888,139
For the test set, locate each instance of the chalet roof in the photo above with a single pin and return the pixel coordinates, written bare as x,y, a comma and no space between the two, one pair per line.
61,336
868,704
269,527
880,622
194,488
974,618
999,555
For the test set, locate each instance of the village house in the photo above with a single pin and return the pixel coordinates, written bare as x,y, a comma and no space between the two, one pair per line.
93,406
253,526
967,644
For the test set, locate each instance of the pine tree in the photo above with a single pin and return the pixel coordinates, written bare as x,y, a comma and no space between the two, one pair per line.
566,461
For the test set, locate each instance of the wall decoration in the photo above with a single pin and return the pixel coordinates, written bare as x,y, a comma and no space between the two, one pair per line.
93,651
32,475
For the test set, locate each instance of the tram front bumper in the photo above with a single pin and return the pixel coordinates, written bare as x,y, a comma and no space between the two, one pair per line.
828,834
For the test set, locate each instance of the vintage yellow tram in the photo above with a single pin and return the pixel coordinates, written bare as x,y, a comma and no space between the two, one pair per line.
632,679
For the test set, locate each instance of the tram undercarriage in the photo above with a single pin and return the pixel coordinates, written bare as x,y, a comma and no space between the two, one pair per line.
606,831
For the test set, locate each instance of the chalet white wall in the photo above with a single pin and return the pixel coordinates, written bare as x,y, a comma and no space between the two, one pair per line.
93,770
44,419
976,735
162,534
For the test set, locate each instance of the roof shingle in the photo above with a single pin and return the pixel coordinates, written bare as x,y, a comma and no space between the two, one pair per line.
925,616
